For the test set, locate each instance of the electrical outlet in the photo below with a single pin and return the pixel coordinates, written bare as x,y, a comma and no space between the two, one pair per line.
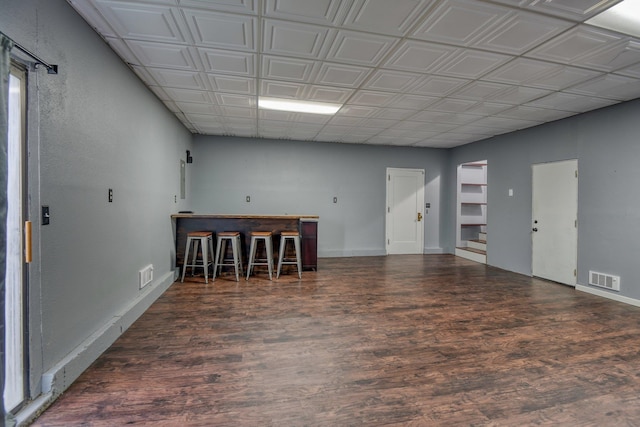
335,200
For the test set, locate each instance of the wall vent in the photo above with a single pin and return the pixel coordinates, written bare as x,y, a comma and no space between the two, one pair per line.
606,281
145,276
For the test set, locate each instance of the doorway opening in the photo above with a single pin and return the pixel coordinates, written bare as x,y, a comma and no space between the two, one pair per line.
471,211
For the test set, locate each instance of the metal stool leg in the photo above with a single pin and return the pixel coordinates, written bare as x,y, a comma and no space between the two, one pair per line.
196,243
252,256
296,242
269,247
281,251
239,241
185,263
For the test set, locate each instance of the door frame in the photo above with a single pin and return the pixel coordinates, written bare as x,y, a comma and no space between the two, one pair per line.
389,208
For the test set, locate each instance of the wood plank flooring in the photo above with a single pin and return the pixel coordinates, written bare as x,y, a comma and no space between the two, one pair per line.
430,340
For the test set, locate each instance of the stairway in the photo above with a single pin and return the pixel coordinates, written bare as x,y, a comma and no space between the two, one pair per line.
476,249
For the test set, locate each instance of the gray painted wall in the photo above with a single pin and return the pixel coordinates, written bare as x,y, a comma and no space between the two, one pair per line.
294,177
606,144
94,126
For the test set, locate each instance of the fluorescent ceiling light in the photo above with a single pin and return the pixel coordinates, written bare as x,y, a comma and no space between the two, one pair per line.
298,106
624,18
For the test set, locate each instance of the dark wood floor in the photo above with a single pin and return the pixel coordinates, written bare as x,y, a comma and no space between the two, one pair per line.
399,340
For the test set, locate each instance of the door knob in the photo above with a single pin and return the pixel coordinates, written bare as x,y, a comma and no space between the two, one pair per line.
419,216
534,229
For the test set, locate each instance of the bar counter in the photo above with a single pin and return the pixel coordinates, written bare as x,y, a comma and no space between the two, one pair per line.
307,225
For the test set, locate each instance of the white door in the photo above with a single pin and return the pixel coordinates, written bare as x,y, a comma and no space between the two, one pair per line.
555,221
405,210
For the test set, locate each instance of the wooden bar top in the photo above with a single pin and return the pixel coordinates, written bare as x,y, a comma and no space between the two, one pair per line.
243,216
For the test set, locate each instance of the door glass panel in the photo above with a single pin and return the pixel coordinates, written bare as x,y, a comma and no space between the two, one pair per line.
14,392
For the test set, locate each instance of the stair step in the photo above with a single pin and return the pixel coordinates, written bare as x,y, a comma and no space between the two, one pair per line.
477,244
482,236
472,254
474,250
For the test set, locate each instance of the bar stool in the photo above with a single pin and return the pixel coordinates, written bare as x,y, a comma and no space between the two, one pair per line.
223,238
265,237
286,236
204,239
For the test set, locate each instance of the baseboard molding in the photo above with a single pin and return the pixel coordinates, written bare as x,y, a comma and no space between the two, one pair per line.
59,378
609,295
369,252
433,251
351,253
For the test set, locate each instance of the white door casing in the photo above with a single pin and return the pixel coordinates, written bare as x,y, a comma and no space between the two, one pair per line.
405,211
554,234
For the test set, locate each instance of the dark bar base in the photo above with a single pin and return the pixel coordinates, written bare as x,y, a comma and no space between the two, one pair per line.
307,225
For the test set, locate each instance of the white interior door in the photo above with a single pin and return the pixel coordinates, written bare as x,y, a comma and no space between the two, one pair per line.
405,210
554,224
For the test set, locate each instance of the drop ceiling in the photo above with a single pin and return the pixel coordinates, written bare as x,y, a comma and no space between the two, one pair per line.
426,73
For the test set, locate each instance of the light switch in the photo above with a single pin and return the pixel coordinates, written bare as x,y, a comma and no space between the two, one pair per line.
511,192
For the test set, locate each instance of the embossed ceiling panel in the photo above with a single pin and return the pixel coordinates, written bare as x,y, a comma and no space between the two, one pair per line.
460,22
165,56
220,30
521,32
238,6
322,12
427,73
360,48
384,16
228,62
293,39
144,21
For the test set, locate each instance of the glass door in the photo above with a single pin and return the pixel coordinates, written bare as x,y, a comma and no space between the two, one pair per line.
17,252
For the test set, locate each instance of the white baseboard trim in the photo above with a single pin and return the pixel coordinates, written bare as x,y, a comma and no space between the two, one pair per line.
369,252
351,253
433,251
609,295
59,378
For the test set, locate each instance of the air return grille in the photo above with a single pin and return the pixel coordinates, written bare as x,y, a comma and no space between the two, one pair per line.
145,275
606,281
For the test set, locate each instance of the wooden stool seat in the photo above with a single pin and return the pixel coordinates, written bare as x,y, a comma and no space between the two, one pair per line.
225,237
293,236
265,237
204,239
